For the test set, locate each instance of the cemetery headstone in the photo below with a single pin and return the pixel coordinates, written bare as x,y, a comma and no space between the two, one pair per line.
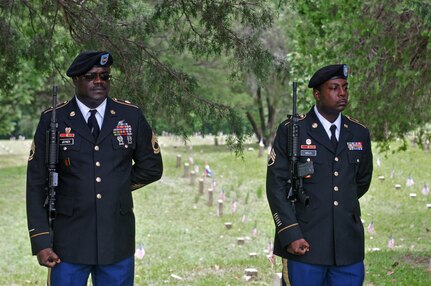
178,161
240,240
210,197
277,279
186,170
192,178
220,208
250,273
201,186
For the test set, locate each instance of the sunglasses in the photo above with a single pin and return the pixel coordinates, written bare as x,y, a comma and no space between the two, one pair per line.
105,76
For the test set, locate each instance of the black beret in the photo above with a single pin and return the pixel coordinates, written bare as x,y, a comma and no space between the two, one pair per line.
327,73
88,59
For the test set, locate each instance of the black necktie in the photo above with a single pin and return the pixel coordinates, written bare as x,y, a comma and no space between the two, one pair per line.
92,123
333,137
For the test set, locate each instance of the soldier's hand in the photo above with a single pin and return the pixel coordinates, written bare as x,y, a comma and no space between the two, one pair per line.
298,247
47,257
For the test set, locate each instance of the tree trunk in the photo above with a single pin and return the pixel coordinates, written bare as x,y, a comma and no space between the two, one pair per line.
264,129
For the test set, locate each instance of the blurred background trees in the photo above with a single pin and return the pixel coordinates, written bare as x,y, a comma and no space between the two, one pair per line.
222,65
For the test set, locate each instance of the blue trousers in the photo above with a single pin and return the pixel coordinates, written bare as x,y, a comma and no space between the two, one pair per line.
70,274
303,274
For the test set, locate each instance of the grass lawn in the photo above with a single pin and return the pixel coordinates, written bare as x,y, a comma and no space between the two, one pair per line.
187,243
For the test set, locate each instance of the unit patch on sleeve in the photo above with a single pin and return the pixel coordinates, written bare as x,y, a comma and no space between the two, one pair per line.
155,144
32,151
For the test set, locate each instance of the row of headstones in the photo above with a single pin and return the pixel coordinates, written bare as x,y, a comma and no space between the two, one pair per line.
425,190
6,148
192,175
249,273
426,144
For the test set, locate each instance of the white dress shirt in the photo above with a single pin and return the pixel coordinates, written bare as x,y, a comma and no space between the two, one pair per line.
85,110
327,125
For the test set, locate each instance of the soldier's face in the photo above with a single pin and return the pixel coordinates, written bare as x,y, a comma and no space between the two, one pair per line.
93,87
332,96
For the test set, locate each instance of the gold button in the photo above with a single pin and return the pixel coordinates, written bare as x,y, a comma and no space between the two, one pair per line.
99,196
336,188
336,174
336,159
98,179
98,164
335,203
64,148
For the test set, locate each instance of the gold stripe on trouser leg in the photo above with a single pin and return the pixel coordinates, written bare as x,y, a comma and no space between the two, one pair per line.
48,280
285,271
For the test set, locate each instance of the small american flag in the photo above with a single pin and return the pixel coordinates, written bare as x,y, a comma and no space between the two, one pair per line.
271,258
222,196
425,190
244,217
208,171
391,242
254,232
234,206
410,182
140,252
370,228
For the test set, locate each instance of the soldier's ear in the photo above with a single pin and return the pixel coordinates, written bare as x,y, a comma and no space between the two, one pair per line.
316,94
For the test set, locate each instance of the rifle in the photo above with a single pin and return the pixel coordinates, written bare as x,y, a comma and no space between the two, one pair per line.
51,160
299,170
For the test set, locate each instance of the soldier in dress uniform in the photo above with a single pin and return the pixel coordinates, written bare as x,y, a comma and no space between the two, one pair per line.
322,243
106,150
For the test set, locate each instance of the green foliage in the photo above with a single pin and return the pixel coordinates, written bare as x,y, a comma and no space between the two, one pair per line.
195,66
147,39
247,198
259,192
387,48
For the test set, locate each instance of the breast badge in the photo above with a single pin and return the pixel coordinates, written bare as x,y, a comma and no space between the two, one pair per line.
123,131
354,146
67,137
